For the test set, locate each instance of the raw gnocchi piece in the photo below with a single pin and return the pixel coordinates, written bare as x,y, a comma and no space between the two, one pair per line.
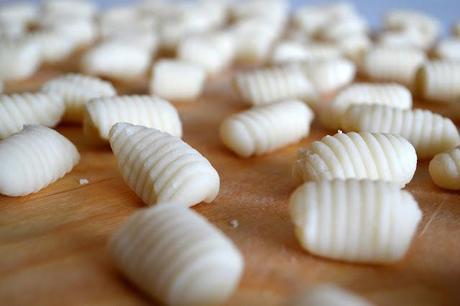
448,49
115,59
82,32
364,93
328,295
439,81
29,108
77,90
360,221
403,38
69,8
269,85
102,113
21,13
428,132
339,28
54,46
33,159
177,80
363,155
445,169
176,256
19,58
266,128
389,64
288,52
353,47
162,168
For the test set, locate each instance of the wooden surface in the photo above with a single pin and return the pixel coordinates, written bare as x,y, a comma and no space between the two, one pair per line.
52,243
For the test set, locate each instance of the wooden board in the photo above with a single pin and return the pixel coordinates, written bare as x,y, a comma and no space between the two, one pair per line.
52,243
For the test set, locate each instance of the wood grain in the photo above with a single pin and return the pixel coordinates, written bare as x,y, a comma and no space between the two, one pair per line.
52,243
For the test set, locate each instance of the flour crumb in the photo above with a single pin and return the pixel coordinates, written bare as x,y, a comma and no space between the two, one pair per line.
234,223
83,181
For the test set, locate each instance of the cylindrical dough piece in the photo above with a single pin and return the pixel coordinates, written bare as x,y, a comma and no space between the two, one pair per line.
390,64
263,129
77,90
102,113
327,295
357,221
29,108
175,255
162,168
445,169
33,159
177,80
54,46
364,93
69,8
269,85
439,81
19,58
428,132
448,49
363,155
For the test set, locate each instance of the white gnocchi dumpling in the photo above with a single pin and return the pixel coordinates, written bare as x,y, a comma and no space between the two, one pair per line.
159,167
428,132
363,155
390,64
19,58
439,81
445,169
102,113
364,93
77,90
117,60
265,128
54,46
82,32
33,159
177,80
448,49
17,110
69,8
21,12
353,47
362,221
328,295
269,85
176,256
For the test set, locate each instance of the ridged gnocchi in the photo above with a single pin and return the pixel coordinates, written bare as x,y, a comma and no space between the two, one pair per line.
428,132
159,167
33,159
265,128
439,81
19,58
175,255
102,113
328,295
16,110
356,221
177,80
269,85
363,155
77,90
364,93
444,169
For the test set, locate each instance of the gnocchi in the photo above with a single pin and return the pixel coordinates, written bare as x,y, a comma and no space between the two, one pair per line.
448,49
428,132
77,90
363,155
33,159
266,128
177,80
102,113
29,108
19,58
439,81
175,255
356,221
162,168
444,169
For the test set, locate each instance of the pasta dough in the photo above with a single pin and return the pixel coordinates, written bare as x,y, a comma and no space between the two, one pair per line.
266,128
439,81
445,169
19,109
77,90
162,168
364,93
357,221
271,85
177,80
33,159
361,155
175,255
448,49
19,58
328,295
102,113
428,132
